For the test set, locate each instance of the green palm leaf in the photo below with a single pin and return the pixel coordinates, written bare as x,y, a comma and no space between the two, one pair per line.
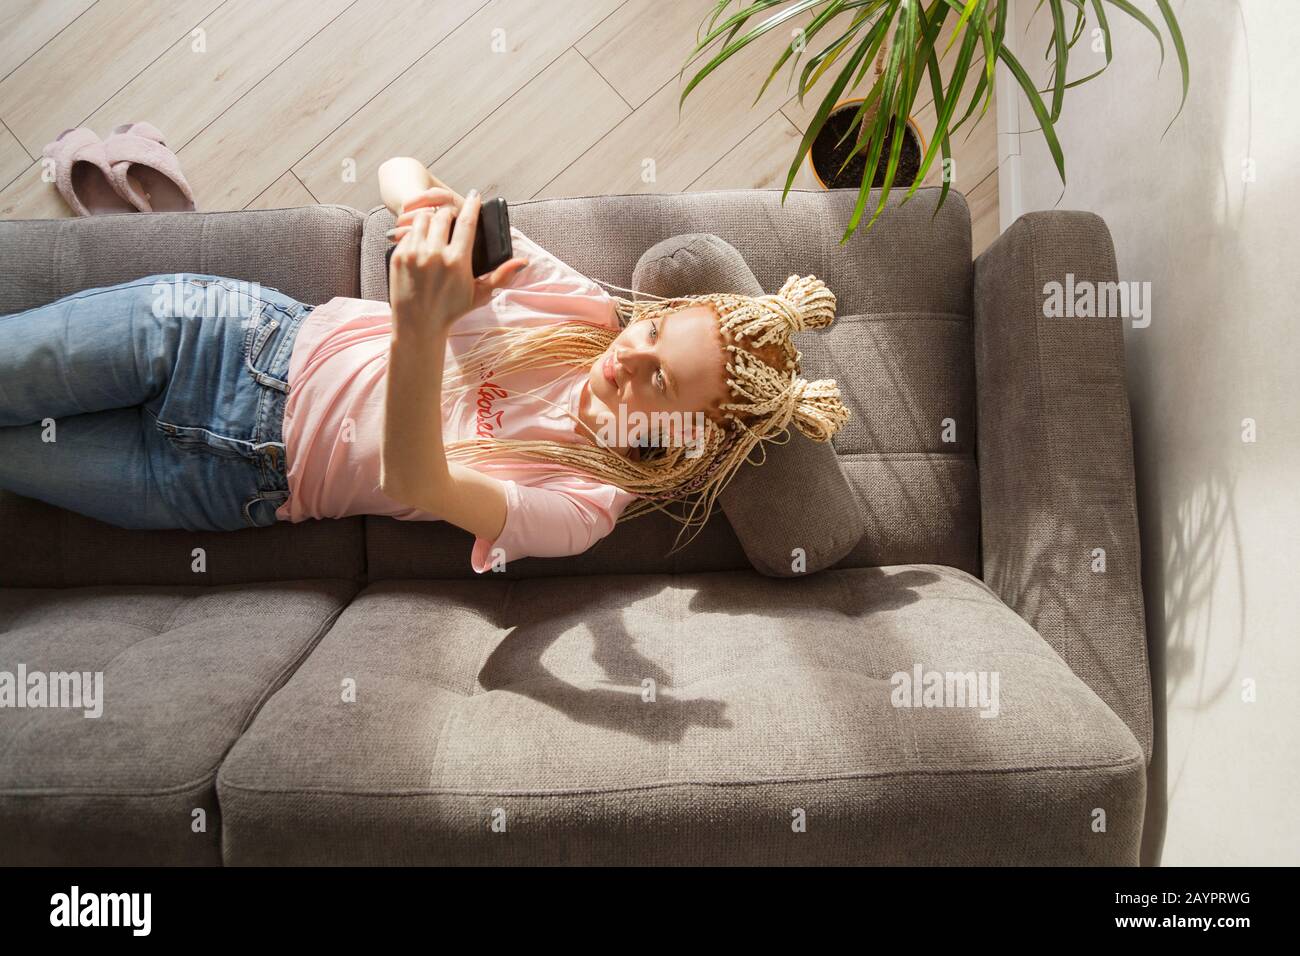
904,33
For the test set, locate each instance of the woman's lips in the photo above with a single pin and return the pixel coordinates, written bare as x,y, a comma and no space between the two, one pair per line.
608,369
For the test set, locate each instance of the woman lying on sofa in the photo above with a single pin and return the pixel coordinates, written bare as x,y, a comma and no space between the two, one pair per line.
208,403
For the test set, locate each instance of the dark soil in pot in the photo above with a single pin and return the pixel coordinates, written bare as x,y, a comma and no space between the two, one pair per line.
827,156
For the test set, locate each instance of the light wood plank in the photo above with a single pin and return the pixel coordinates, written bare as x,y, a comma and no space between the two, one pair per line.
328,79
109,44
760,161
13,158
28,197
243,41
974,149
447,93
568,100
657,150
27,25
642,46
284,193
983,203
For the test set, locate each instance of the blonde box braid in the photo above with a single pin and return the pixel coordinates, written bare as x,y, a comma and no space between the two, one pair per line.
762,375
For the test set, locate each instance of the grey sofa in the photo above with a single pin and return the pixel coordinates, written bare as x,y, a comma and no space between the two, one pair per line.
622,706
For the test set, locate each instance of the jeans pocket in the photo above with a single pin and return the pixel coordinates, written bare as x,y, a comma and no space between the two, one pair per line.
204,440
263,312
260,509
269,346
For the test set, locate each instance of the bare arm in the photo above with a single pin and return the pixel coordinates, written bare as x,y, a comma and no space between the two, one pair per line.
400,179
405,184
431,286
414,467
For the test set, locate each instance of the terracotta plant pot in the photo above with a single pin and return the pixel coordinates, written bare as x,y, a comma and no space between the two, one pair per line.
824,158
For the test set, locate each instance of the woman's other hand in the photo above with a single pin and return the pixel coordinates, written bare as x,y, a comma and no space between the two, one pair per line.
431,281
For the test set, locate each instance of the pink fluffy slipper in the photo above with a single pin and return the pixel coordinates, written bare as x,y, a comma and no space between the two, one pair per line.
83,174
146,171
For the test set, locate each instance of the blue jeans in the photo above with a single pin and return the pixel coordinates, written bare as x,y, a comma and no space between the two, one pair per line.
156,403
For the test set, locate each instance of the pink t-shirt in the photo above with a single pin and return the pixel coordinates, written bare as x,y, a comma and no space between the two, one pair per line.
334,415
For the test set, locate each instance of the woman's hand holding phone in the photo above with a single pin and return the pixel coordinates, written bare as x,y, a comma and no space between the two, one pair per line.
431,281
432,199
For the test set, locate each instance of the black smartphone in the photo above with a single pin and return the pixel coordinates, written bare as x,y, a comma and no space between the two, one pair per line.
492,245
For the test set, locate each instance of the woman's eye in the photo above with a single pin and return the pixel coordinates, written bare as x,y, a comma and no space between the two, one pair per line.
663,383
654,332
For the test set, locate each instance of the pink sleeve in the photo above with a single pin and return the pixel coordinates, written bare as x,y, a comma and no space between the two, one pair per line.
565,516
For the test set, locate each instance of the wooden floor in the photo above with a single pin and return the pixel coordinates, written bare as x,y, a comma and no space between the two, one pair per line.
299,101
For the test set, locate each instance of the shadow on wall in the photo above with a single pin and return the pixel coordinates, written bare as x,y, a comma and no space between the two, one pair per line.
1190,555
1192,552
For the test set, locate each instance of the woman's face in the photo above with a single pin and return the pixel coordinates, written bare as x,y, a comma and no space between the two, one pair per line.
670,364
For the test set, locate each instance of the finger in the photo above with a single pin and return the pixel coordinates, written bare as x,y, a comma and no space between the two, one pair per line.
462,239
498,278
403,227
502,274
414,205
436,196
419,233
440,227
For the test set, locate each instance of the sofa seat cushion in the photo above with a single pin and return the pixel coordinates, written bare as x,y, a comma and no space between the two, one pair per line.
708,718
184,671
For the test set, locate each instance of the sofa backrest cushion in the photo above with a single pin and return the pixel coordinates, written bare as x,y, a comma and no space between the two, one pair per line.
767,505
310,253
901,349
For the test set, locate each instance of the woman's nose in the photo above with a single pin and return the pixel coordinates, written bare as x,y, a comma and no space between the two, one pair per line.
633,358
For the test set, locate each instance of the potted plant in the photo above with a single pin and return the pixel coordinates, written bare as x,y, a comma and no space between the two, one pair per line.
837,159
905,34
836,156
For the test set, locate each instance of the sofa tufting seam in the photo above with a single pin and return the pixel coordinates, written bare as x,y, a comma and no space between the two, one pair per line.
897,315
195,785
289,669
907,455
1116,768
767,189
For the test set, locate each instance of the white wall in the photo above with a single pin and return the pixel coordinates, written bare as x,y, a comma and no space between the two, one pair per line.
1220,517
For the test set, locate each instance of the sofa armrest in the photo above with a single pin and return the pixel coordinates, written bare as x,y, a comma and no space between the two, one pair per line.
1055,456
